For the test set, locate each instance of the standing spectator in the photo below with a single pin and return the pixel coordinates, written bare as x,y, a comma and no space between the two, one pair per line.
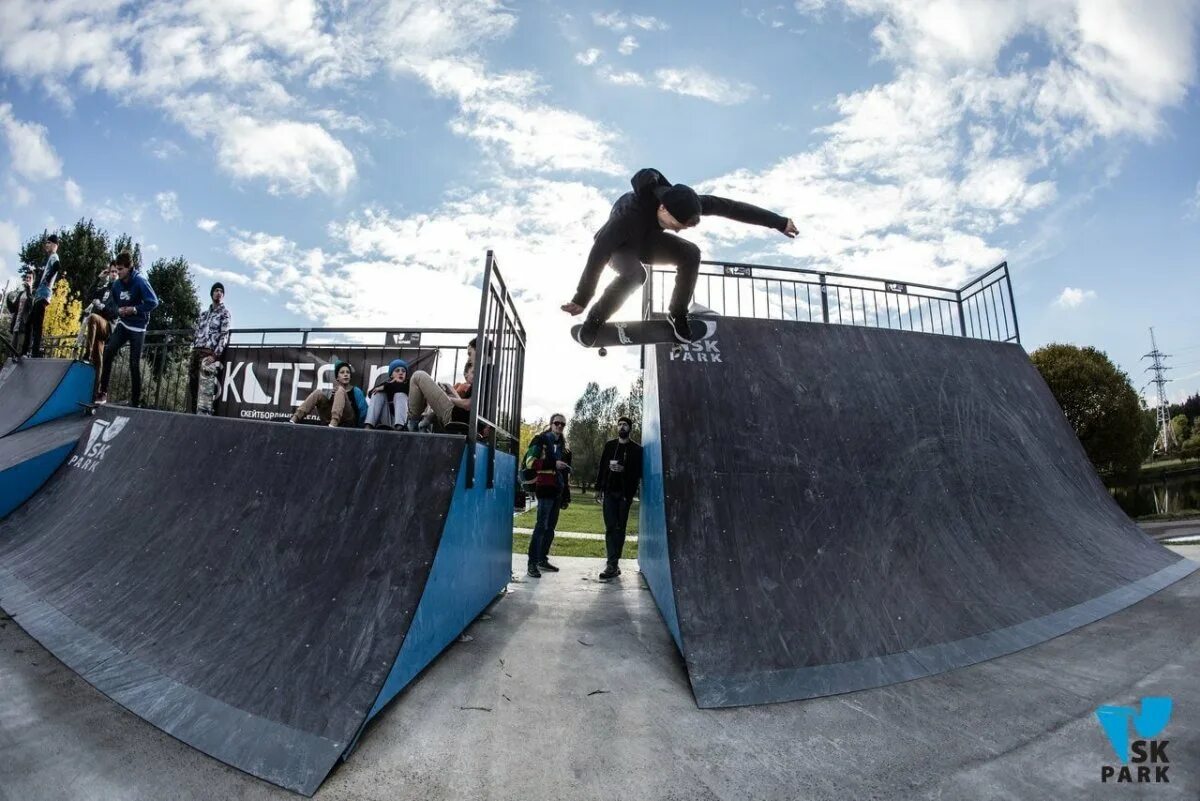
341,406
20,306
131,301
43,294
617,481
388,399
208,341
552,471
97,322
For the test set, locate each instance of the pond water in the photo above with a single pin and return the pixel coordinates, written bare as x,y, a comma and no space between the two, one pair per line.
1160,495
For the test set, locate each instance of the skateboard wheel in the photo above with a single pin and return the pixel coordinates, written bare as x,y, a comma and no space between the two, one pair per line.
603,351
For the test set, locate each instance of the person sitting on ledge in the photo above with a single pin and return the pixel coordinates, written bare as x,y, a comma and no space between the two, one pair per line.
446,404
341,406
388,404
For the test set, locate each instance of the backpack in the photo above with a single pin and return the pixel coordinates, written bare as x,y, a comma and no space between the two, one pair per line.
528,474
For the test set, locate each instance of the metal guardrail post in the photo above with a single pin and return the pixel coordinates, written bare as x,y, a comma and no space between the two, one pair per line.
824,299
962,320
1012,303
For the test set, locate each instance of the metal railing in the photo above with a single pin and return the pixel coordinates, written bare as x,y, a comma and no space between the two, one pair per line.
164,368
499,372
982,309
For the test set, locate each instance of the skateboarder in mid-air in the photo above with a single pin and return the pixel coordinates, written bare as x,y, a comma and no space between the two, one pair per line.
637,233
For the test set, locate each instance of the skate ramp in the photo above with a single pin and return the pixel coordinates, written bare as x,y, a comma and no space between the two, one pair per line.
831,508
250,588
28,458
36,391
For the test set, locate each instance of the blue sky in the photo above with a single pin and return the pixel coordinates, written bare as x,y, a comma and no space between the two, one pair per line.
348,163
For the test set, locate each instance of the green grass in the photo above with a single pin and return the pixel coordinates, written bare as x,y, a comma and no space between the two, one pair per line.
566,546
583,515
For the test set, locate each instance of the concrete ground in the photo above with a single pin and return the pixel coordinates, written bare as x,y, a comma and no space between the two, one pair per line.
572,689
1166,529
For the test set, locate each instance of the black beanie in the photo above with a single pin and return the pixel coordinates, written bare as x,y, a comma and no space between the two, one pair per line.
215,287
682,201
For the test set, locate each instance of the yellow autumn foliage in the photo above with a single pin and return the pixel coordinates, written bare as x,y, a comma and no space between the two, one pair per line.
62,318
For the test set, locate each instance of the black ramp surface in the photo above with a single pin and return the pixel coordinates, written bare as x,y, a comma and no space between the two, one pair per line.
848,507
24,445
244,586
25,386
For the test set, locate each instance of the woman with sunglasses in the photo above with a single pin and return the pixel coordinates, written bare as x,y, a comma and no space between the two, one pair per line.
552,468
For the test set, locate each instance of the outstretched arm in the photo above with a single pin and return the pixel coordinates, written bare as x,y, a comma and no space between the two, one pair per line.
746,213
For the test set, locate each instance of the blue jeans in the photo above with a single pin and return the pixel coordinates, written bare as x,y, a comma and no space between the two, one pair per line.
543,532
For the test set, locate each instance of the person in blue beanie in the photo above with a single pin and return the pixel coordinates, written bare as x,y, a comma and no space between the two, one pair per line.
341,406
387,404
129,303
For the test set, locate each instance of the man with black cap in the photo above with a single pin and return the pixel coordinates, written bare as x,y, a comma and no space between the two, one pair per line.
637,233
617,481
208,340
43,294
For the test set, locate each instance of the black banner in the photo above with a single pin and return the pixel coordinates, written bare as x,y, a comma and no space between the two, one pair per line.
268,383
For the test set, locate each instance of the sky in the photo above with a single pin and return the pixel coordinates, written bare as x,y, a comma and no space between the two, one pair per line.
341,163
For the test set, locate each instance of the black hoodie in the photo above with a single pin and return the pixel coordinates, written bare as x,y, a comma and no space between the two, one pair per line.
634,219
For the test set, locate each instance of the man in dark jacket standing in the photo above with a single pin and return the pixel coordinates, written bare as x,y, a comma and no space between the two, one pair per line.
130,302
553,470
637,233
617,481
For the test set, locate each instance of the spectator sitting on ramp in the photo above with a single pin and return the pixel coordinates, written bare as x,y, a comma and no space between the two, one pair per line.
387,405
130,302
341,406
446,404
617,481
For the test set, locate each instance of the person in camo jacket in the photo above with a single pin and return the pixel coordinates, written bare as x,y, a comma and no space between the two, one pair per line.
208,340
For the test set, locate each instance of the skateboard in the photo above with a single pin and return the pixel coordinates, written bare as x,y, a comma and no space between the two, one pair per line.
208,386
641,332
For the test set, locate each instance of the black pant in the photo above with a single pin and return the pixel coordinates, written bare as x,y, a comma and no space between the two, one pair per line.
119,336
36,318
616,517
659,248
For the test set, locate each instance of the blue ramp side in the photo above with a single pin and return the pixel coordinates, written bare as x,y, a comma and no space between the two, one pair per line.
473,564
29,458
654,558
72,392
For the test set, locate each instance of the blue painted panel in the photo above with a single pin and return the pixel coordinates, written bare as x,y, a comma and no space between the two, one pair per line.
473,564
74,389
19,482
654,558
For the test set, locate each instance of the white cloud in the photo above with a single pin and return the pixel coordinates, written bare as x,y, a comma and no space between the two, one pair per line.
1192,205
207,225
696,82
588,57
168,205
163,149
1071,297
32,155
293,157
10,246
18,195
73,194
620,77
627,45
618,22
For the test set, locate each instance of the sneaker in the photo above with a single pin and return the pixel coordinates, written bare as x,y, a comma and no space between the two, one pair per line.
533,572
610,572
545,565
589,331
101,398
681,327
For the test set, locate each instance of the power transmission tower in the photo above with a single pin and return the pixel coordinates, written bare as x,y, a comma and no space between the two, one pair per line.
1165,440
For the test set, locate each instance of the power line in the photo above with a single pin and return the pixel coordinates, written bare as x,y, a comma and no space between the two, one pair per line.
1165,440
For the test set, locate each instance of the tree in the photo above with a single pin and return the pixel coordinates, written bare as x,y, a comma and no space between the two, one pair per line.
1181,428
125,242
178,308
62,317
591,427
631,406
83,252
1099,403
529,430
